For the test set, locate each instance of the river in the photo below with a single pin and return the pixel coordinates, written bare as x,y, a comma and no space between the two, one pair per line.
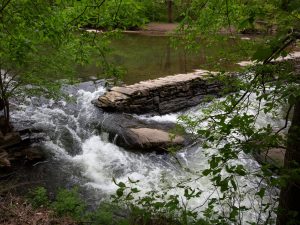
81,156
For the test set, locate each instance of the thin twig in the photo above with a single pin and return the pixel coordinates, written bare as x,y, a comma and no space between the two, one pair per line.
84,10
286,119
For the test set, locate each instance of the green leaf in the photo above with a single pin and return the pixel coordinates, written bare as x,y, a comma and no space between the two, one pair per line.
261,192
134,190
262,53
233,184
120,192
206,172
240,170
292,99
121,184
233,214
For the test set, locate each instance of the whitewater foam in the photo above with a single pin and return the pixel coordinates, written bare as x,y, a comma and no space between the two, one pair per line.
72,137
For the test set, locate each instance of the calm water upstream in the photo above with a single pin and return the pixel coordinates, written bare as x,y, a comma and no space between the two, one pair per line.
149,57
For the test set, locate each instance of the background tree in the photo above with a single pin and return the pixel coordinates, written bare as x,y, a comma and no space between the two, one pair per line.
170,10
42,43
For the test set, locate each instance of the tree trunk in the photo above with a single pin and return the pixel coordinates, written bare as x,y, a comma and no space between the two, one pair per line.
4,105
170,11
285,4
289,203
7,116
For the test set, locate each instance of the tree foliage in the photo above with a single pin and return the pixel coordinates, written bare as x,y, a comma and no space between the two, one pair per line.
230,125
42,42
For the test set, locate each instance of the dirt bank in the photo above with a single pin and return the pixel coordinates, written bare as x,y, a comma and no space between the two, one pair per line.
157,29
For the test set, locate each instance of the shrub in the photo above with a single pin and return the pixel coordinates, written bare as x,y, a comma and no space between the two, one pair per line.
38,197
68,202
105,214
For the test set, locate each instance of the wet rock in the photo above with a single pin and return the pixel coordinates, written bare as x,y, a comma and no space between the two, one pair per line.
10,139
4,161
274,156
163,95
34,154
17,146
132,133
147,138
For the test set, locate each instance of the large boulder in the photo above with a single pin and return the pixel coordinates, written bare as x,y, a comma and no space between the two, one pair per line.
133,133
149,138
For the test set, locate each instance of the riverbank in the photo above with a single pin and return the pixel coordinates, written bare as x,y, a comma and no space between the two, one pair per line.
157,29
17,210
169,29
150,29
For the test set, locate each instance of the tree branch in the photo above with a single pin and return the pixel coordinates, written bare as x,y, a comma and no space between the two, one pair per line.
84,10
286,119
4,6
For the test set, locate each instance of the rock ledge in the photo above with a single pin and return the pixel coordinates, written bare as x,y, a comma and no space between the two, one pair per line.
163,95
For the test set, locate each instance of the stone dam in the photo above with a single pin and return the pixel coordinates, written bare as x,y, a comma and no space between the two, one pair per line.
163,95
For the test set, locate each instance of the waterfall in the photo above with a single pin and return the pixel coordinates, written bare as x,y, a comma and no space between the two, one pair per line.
72,138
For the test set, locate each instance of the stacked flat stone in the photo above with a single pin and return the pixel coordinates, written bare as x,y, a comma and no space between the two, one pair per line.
163,95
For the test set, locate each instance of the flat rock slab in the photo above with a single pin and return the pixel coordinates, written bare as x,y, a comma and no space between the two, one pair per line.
132,133
163,95
154,137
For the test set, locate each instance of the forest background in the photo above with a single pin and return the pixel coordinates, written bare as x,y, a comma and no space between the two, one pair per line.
30,29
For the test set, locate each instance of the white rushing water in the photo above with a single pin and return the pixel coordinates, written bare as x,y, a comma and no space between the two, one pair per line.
72,137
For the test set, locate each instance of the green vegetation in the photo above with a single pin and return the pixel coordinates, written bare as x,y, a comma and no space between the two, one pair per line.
69,203
38,197
127,14
42,39
159,208
134,14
